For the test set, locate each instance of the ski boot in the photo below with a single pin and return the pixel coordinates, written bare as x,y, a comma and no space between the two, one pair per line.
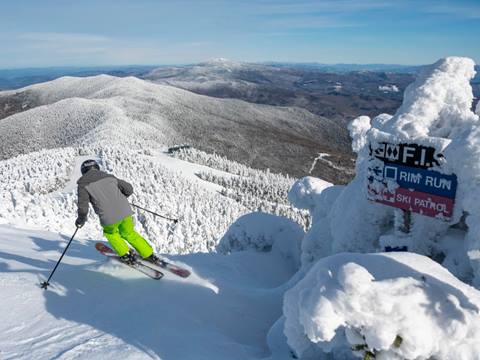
129,258
154,259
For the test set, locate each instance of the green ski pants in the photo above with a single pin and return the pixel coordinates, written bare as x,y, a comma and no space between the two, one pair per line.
120,233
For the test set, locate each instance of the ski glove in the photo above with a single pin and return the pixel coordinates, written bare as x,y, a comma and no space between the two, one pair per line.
125,187
80,222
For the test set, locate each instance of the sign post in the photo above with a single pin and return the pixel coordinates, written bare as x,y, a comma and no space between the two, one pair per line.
407,222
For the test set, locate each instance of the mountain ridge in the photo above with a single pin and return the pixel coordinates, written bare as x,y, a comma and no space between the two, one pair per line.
284,139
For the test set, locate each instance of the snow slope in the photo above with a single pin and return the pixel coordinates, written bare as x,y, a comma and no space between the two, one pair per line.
101,310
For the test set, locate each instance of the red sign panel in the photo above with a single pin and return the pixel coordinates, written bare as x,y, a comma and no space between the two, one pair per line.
415,201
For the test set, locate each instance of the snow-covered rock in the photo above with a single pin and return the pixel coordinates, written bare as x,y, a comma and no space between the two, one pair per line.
264,232
396,306
306,191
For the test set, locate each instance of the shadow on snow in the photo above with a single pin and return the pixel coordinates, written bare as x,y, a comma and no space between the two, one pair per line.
171,318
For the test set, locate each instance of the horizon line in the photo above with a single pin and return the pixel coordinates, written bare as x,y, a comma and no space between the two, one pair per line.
268,62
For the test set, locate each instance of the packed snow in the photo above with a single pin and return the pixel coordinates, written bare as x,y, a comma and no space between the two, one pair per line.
102,310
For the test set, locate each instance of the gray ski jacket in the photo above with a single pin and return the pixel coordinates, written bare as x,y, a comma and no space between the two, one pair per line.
107,194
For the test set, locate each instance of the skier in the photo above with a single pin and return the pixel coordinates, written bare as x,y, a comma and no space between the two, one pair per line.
108,196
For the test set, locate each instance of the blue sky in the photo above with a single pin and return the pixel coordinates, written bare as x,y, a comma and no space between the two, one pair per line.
36,33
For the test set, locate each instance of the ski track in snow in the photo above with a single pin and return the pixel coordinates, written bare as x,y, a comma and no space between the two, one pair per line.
189,170
99,309
323,157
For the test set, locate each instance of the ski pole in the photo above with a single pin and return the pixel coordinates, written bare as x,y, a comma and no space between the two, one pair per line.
154,213
45,284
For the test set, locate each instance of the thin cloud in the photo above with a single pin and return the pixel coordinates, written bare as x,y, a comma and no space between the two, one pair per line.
283,15
277,7
311,22
79,49
63,37
459,10
62,44
195,44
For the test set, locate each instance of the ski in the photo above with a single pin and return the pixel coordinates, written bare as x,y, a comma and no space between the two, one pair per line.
143,268
165,265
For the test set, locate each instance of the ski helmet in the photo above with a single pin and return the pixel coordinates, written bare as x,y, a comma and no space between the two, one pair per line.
89,164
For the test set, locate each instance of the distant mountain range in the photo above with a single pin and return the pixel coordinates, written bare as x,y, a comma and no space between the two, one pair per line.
104,109
341,68
337,91
312,103
18,78
340,95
